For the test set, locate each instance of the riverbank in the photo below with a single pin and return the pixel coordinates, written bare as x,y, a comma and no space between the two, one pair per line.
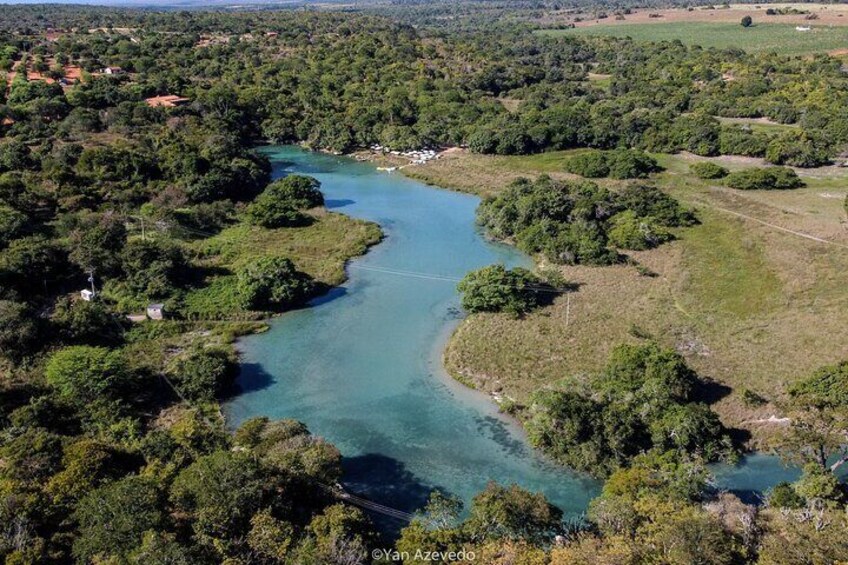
724,294
358,366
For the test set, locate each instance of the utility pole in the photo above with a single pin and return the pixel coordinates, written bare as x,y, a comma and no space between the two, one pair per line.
91,280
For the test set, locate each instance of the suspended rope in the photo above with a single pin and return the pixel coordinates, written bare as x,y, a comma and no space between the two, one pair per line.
345,496
446,278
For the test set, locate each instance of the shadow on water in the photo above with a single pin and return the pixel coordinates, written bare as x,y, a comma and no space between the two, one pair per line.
387,481
338,203
252,377
329,293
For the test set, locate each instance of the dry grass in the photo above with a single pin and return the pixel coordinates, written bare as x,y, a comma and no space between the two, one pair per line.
749,306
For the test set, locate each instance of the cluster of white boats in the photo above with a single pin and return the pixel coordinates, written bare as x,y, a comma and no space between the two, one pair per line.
416,157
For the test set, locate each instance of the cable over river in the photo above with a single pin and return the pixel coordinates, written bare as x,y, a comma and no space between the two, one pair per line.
362,366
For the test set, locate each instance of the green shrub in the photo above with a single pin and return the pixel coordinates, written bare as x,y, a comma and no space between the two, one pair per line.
203,374
650,201
771,178
616,164
82,374
784,496
590,164
706,170
796,150
631,164
281,203
496,289
735,140
643,400
628,231
273,283
569,221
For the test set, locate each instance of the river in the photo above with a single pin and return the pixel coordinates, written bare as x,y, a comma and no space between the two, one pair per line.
362,365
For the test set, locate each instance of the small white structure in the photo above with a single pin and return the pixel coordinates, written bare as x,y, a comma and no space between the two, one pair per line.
112,70
87,295
156,311
802,28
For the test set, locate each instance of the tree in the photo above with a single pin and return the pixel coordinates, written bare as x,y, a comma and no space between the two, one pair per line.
203,374
113,518
82,321
512,513
273,283
19,330
818,409
152,268
83,375
218,494
342,534
747,21
96,241
496,289
281,203
13,224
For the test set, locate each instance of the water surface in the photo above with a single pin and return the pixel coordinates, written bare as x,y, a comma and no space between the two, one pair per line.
361,367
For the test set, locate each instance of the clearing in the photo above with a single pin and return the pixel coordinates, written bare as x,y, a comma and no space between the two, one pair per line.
763,36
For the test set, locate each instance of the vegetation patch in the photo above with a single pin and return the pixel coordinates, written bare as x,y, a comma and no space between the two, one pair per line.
616,164
644,399
771,178
571,222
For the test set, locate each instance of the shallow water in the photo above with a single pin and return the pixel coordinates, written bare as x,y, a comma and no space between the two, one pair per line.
361,367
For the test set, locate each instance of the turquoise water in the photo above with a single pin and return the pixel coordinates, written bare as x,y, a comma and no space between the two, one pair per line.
361,367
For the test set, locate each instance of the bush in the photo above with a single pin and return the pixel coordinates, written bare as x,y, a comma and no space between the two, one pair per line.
784,496
590,164
650,201
740,141
796,150
642,400
281,203
273,283
706,170
628,231
568,221
771,178
496,289
617,164
203,374
84,375
631,164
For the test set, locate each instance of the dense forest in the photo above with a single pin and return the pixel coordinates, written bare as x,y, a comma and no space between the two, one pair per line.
128,166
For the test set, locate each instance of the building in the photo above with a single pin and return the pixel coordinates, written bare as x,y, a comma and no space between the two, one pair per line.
113,71
87,295
156,311
167,101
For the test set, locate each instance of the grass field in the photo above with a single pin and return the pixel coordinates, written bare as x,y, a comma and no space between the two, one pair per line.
320,250
783,39
749,305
